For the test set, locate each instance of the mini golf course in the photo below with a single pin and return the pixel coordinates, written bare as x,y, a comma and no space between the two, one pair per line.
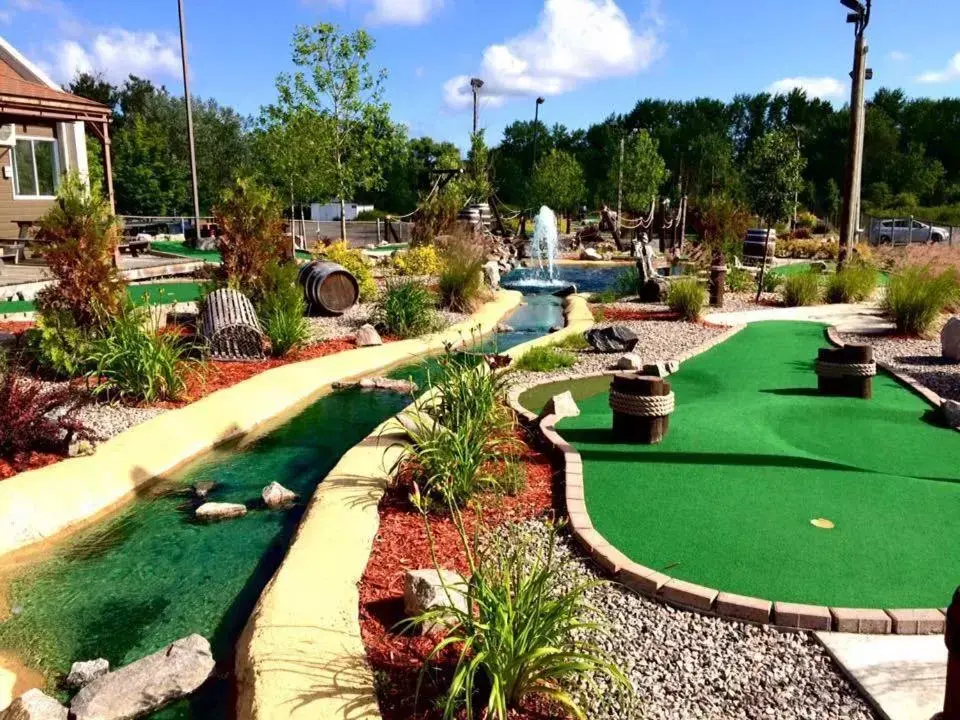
754,454
154,293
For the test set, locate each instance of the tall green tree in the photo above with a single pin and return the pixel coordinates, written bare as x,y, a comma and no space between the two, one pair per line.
558,183
644,171
773,177
334,80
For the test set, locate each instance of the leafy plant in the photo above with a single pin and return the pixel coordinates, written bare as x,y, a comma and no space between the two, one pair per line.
353,261
282,309
56,345
627,283
772,281
78,237
519,634
604,297
687,297
249,217
422,260
740,280
136,360
36,417
854,283
575,342
545,358
461,281
801,289
918,295
407,309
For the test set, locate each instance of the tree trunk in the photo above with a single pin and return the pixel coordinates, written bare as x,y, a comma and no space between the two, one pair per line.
763,261
718,278
568,222
343,220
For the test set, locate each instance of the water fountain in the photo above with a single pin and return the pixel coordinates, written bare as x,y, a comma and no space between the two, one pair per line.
541,279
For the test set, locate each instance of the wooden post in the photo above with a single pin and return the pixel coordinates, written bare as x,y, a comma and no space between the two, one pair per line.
718,278
951,699
635,428
851,385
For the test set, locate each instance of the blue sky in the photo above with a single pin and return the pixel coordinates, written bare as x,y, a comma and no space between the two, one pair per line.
588,57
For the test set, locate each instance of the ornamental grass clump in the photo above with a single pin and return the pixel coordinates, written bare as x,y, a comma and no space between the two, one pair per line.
461,280
687,298
854,283
522,632
546,358
282,309
801,289
917,295
406,309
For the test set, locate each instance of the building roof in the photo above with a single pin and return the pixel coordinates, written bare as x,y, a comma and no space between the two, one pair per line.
11,83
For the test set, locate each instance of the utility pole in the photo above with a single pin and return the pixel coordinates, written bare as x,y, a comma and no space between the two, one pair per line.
476,84
190,139
620,180
796,194
850,215
536,131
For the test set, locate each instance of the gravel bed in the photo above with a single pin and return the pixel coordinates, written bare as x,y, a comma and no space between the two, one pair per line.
333,328
106,421
919,358
683,665
660,340
736,302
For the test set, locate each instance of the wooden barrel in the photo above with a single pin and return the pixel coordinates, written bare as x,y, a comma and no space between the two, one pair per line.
633,428
856,384
328,288
231,327
753,245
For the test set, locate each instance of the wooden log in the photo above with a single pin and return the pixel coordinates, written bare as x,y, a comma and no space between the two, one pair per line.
634,428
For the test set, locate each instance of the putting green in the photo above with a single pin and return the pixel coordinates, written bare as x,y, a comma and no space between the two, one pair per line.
157,293
754,454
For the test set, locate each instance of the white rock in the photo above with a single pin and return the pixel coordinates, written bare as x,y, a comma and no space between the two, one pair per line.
491,274
562,406
368,383
368,336
34,705
84,673
277,497
220,511
590,254
950,340
503,328
428,590
673,366
950,409
630,361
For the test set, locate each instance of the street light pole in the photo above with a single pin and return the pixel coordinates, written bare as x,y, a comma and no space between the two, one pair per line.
476,84
536,130
620,180
190,139
850,216
796,194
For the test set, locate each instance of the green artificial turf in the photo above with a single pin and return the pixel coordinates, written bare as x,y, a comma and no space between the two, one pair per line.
754,453
797,268
211,256
158,294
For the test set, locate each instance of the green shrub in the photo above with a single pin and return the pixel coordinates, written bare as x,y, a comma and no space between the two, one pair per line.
801,289
136,360
575,342
918,295
627,283
56,345
354,262
688,298
771,281
545,358
740,280
523,630
461,280
406,309
423,260
854,283
604,297
282,309
465,392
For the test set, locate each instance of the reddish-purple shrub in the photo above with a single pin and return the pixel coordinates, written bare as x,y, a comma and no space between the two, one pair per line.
36,417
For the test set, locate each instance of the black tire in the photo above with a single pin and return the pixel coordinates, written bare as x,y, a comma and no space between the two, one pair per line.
885,239
936,237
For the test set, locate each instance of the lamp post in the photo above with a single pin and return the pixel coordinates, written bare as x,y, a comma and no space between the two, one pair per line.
536,130
850,216
476,84
623,139
190,140
796,194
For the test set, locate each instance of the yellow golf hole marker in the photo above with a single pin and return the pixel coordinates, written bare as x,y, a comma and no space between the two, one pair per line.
822,523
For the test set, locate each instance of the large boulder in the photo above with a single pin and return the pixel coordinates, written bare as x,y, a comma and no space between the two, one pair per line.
84,673
34,705
147,685
367,336
615,338
220,511
491,274
561,406
429,590
277,497
950,340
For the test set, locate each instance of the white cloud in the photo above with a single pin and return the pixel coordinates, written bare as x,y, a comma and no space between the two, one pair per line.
391,12
898,56
118,53
824,88
949,73
575,41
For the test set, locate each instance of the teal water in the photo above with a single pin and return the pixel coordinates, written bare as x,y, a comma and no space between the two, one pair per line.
151,574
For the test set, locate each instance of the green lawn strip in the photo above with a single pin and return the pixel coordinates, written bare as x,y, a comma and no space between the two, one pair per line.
158,294
211,256
797,268
754,453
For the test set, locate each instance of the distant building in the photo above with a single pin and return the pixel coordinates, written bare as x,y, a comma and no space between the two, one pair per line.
331,211
43,134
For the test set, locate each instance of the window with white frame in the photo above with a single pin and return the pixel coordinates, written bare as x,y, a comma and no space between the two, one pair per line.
36,167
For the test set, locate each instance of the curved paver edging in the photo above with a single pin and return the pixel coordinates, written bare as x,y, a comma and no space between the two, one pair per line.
301,655
37,504
654,584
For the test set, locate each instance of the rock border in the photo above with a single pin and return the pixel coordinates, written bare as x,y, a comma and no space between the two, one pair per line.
690,596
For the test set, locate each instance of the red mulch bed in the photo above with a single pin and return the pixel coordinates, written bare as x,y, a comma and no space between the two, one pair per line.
15,326
617,315
27,461
401,544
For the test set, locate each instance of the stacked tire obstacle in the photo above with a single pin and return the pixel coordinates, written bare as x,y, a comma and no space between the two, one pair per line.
846,371
641,406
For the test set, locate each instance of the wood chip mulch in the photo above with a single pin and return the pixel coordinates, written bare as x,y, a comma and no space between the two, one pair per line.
397,657
15,327
615,315
26,461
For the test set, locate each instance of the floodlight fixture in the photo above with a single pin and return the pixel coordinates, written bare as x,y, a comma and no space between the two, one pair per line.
540,101
854,5
476,83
